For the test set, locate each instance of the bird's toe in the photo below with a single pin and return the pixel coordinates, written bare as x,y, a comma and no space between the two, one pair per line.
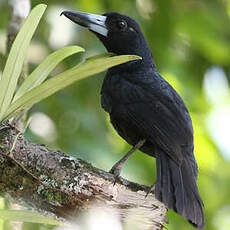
150,190
116,171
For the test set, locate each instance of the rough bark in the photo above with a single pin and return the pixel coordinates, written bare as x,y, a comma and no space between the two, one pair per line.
52,181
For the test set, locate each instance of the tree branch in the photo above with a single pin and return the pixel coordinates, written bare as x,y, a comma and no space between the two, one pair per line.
51,181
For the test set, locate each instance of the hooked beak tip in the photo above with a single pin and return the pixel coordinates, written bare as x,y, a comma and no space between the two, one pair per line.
94,22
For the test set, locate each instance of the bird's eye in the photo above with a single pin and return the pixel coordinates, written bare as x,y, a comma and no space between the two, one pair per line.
122,25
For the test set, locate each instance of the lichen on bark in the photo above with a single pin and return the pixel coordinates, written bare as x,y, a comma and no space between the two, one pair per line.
52,181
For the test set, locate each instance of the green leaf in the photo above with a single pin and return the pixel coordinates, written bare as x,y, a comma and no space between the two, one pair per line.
16,57
43,70
63,80
103,55
28,216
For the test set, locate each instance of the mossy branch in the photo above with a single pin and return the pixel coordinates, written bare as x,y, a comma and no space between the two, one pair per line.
52,181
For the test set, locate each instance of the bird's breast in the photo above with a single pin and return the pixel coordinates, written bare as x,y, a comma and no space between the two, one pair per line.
110,93
119,90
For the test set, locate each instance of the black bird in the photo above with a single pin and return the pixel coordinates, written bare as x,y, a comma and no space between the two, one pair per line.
148,113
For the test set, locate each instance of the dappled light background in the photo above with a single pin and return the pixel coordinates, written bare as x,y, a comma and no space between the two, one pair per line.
190,41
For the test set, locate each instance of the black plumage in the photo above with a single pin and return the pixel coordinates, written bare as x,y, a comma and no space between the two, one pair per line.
143,106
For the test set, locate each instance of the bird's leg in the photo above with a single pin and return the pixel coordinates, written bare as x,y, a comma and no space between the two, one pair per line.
116,169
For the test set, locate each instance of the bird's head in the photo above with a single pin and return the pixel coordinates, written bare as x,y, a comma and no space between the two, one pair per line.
119,33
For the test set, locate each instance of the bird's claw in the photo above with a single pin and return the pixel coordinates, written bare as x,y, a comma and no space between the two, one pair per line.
116,171
149,190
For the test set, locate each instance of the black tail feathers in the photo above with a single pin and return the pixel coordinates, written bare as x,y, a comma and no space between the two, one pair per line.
176,188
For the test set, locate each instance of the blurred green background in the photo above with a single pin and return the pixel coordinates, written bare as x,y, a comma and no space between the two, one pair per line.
190,41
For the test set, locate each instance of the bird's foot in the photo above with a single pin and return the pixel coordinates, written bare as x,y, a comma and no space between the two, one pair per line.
116,171
149,190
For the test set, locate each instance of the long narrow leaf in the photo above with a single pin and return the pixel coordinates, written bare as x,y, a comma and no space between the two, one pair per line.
103,55
63,80
28,216
43,70
16,57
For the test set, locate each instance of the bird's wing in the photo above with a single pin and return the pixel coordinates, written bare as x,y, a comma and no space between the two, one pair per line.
161,116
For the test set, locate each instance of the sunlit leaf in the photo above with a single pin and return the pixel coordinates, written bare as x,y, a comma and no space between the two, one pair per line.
43,70
63,80
16,57
28,216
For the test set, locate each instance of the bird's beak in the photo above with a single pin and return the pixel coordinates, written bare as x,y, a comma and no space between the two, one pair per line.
94,22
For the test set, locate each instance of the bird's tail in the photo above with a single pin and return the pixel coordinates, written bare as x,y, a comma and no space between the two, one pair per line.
176,188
